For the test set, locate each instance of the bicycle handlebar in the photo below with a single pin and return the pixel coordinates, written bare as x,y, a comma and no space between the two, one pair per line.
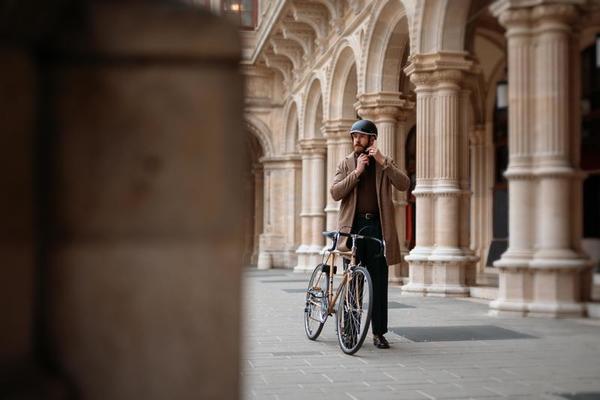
334,236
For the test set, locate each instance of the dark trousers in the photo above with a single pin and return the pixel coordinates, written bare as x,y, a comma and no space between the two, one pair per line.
368,251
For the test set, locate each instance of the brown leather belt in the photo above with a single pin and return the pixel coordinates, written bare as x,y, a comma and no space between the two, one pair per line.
368,216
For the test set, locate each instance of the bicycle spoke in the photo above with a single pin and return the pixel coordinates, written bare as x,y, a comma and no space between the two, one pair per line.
315,308
356,310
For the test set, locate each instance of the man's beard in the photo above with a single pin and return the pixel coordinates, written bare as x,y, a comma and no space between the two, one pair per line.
358,149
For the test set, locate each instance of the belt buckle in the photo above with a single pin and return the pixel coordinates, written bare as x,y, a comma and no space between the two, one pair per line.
369,216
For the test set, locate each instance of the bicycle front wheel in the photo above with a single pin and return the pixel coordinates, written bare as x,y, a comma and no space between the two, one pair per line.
315,309
354,311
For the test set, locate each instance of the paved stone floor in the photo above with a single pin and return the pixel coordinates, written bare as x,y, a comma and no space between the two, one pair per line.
441,349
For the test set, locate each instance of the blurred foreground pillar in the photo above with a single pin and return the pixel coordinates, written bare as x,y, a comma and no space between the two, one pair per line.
142,155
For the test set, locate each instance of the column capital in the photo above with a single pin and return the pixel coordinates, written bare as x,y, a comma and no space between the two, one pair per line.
442,60
274,162
500,6
453,77
519,13
514,18
557,13
452,69
422,79
334,129
381,106
312,146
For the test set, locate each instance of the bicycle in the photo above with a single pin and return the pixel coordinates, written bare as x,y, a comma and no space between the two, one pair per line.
353,315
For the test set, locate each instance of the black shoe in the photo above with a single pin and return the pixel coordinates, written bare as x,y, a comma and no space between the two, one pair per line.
380,342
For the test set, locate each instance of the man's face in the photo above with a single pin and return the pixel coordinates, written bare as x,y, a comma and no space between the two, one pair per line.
360,141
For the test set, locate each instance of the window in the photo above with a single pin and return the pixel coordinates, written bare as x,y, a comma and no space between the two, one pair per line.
241,12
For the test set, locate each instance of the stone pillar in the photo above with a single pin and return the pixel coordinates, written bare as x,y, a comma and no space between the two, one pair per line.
312,216
259,190
400,273
267,238
277,240
448,258
140,193
339,145
386,109
480,217
540,273
418,259
292,176
440,261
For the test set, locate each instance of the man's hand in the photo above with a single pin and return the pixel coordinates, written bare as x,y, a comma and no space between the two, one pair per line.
361,163
376,154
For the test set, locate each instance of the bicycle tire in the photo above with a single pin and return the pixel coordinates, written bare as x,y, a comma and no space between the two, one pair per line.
353,321
315,308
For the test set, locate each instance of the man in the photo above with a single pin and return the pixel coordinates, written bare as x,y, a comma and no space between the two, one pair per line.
363,182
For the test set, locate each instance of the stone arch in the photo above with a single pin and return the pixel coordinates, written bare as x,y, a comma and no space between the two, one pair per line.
313,111
344,85
385,44
291,127
262,132
439,25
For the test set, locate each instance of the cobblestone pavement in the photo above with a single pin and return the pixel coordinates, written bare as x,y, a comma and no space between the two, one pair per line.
440,349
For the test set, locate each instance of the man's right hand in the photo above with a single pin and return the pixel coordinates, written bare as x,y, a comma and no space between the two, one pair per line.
361,163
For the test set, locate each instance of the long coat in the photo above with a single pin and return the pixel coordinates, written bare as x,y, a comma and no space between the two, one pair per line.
344,189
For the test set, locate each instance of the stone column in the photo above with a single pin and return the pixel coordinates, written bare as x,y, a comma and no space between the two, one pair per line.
480,217
386,109
292,176
419,266
339,145
556,286
312,216
400,273
540,272
259,190
140,191
276,244
440,260
448,258
514,279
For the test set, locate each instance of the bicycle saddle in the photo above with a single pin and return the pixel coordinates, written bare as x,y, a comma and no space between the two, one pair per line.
330,234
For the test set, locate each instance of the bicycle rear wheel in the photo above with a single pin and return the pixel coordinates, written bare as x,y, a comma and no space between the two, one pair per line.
315,309
354,311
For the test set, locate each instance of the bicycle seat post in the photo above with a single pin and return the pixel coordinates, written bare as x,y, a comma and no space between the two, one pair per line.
354,249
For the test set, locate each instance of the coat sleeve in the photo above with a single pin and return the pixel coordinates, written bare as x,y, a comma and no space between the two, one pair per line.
399,179
343,182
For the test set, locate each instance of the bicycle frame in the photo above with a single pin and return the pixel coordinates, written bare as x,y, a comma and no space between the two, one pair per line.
346,275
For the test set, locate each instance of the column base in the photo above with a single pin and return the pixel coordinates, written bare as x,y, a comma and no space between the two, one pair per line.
309,256
396,276
538,310
441,273
449,273
264,260
508,308
419,272
448,291
549,288
557,310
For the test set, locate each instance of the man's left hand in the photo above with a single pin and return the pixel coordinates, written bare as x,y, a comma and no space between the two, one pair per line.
376,154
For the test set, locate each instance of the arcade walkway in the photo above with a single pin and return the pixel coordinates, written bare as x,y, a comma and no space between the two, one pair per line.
441,349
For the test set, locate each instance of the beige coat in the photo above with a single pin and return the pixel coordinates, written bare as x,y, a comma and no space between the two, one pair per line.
344,189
